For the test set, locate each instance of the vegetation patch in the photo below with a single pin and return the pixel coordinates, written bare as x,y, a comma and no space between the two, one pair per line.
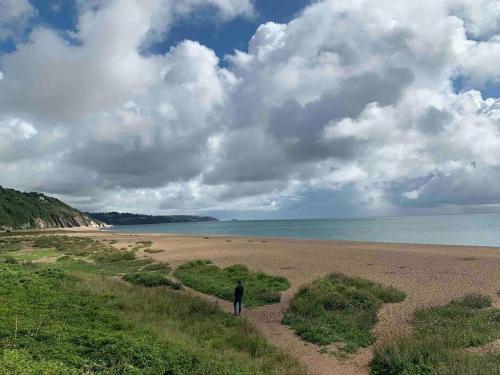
206,277
153,251
160,266
142,245
55,323
75,254
339,309
440,334
151,279
461,323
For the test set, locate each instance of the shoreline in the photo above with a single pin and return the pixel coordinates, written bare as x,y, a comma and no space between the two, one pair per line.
271,238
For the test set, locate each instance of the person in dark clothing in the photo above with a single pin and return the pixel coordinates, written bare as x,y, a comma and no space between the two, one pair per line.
238,297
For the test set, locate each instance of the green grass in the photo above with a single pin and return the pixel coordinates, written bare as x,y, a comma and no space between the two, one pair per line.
76,254
461,323
339,309
206,277
439,336
23,255
107,269
412,356
57,324
151,279
160,266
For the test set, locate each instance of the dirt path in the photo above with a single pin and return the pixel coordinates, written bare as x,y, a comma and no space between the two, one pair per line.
267,320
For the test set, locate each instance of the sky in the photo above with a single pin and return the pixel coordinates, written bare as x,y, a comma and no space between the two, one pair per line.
253,109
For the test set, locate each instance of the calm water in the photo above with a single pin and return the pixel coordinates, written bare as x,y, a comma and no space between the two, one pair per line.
483,230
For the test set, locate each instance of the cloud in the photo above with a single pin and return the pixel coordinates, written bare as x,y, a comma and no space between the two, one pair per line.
14,17
350,104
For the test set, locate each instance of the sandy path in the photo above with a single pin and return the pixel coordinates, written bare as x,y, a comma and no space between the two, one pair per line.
429,274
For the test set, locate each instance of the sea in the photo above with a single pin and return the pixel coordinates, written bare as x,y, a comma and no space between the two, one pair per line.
469,229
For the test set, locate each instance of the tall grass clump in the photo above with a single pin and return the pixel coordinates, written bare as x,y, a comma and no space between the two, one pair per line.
339,309
151,279
206,277
440,335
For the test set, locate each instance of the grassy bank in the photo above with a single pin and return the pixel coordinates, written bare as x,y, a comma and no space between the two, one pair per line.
339,309
206,277
439,338
54,321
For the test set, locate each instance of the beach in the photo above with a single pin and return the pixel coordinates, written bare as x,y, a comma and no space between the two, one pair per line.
429,274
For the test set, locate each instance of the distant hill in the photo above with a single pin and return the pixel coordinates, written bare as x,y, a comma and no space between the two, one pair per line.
35,210
117,218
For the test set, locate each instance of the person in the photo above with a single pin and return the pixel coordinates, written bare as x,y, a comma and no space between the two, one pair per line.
238,297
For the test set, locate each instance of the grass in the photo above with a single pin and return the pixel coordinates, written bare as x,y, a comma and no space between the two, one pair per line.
439,336
339,309
206,277
85,255
160,266
23,255
71,318
461,323
58,324
151,279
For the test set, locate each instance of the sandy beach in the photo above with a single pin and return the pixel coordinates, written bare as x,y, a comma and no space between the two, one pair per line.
429,274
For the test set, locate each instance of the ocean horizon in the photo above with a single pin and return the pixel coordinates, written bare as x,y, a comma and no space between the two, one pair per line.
464,229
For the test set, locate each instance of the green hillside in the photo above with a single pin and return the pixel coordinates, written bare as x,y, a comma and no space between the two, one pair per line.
35,210
125,218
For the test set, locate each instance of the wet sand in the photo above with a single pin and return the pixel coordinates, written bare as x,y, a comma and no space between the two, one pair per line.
429,274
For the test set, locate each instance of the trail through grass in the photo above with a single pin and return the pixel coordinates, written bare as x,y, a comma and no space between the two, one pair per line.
439,337
339,309
206,277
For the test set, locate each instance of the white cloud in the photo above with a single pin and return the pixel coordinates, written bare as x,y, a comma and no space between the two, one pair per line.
14,15
350,97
